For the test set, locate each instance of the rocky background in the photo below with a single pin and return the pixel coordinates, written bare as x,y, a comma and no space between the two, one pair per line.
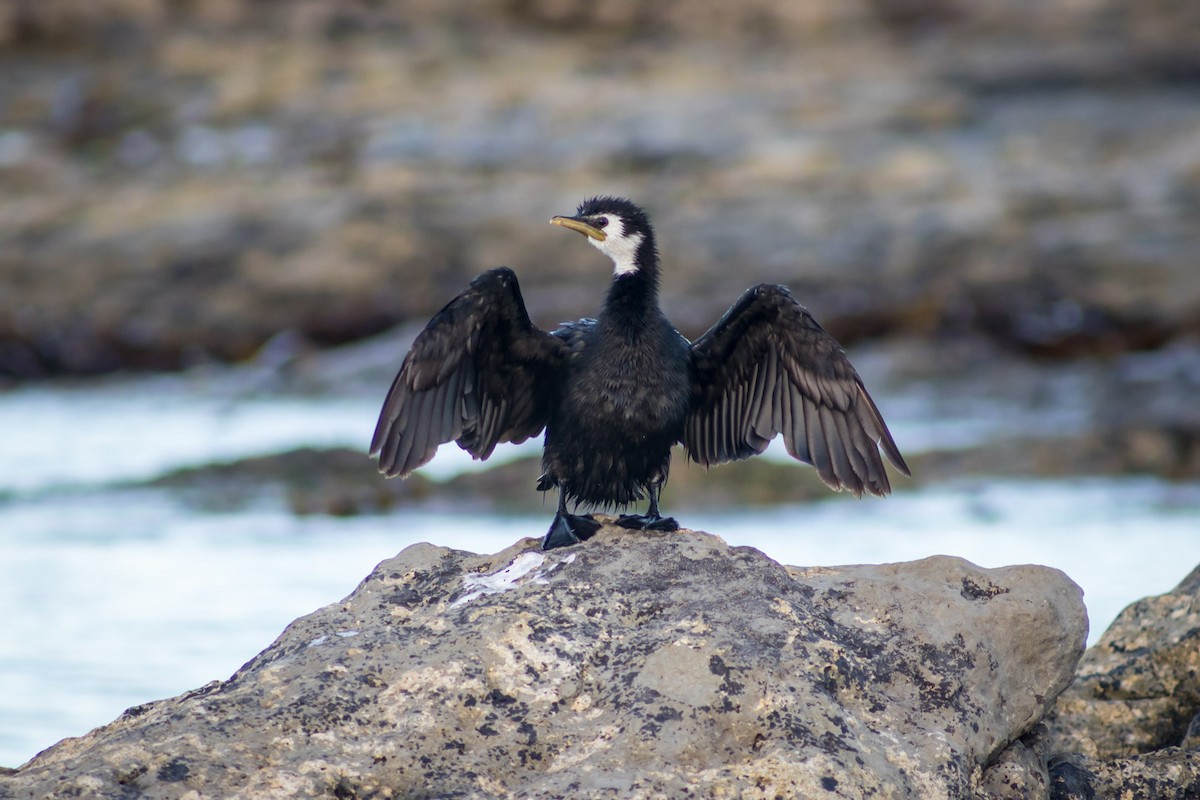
186,180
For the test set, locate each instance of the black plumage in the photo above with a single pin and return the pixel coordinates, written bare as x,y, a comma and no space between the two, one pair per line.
615,393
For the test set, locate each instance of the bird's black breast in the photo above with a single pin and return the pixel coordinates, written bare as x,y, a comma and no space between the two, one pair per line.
624,400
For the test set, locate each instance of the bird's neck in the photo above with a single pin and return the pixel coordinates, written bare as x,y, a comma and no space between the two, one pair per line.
632,297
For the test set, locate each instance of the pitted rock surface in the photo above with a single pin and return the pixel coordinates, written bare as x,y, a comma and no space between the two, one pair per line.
635,665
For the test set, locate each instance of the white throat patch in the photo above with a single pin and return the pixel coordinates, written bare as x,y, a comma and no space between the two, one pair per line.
622,249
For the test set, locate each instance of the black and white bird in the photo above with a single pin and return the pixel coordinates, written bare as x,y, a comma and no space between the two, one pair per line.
614,394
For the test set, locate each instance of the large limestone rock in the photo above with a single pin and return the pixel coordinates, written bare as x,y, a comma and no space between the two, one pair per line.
635,665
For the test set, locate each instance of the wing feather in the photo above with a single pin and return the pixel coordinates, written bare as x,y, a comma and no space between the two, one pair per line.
710,431
765,425
738,413
451,402
801,448
726,442
753,401
857,465
777,396
818,449
403,445
767,368
754,409
791,423
422,422
847,477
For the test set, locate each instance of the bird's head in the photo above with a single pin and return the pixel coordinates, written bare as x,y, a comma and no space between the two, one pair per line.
619,229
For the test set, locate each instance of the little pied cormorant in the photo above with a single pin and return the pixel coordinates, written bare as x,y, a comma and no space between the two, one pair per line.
615,393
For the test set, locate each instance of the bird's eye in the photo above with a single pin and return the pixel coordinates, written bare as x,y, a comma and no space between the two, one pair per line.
601,222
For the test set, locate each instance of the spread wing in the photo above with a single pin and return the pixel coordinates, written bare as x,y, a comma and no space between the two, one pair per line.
480,373
766,368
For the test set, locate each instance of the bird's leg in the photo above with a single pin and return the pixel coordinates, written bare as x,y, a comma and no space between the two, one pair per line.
652,512
652,520
568,529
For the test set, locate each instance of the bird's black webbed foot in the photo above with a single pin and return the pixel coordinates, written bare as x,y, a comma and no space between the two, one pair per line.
569,529
648,522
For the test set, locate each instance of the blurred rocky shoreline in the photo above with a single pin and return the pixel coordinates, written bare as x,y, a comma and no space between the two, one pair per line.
996,414
187,183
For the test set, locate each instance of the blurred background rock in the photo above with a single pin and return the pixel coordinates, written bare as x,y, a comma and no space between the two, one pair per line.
185,181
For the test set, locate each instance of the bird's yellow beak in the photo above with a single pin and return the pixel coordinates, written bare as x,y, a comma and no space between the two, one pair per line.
578,224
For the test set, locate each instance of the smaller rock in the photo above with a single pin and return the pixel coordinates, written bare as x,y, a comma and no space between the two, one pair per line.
1136,690
1019,771
1169,774
1191,739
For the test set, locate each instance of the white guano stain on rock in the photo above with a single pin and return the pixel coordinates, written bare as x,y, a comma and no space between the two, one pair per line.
513,575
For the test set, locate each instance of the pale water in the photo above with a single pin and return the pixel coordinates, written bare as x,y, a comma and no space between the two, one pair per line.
116,596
